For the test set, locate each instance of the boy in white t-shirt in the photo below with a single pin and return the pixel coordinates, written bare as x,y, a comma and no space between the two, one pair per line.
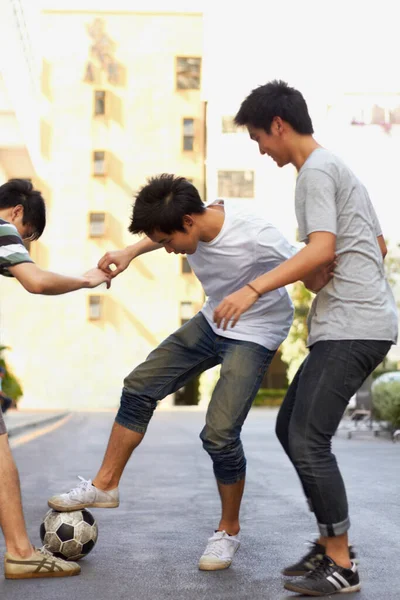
226,249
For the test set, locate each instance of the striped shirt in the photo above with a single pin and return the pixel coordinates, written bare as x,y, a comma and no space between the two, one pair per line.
12,249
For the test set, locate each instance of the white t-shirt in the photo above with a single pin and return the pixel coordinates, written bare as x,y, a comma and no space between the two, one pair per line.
246,247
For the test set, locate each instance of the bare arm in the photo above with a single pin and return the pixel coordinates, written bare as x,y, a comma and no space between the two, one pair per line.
320,251
37,281
121,259
382,245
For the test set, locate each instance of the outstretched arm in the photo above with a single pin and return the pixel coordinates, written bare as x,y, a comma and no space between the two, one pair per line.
121,259
37,281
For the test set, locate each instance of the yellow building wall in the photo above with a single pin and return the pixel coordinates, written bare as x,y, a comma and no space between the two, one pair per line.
61,357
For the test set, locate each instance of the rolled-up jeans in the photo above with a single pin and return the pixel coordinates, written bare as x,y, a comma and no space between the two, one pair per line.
185,354
310,414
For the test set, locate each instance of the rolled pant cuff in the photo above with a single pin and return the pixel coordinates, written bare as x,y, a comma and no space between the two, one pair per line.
131,426
334,529
239,477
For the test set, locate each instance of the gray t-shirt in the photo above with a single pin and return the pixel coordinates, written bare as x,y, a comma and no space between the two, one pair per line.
358,302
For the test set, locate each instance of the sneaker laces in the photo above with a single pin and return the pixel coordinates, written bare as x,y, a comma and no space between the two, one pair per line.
215,547
324,568
44,550
80,489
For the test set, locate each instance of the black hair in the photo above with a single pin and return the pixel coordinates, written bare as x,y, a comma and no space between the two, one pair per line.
162,204
275,99
21,191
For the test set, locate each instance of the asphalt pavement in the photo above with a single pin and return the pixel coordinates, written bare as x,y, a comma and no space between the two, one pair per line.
149,547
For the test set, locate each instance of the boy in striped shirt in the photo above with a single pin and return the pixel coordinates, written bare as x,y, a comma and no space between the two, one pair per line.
23,217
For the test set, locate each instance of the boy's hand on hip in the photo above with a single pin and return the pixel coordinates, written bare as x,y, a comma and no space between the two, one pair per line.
233,306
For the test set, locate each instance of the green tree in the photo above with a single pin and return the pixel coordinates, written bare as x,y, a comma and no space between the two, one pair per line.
392,266
10,386
294,349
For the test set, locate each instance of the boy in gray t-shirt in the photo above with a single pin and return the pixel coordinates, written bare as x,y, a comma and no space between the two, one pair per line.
352,322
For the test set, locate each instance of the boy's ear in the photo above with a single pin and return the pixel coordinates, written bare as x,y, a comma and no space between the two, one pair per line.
188,221
18,210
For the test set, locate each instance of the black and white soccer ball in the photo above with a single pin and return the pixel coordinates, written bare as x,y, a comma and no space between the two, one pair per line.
69,535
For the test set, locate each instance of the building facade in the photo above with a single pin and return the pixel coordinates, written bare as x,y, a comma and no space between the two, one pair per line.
120,101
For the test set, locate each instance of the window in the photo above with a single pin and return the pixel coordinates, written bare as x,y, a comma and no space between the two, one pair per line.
94,308
97,224
187,312
99,163
188,73
99,102
236,184
228,125
188,134
185,267
394,115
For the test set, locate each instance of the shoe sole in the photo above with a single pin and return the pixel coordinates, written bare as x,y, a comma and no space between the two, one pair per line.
40,575
213,566
304,592
62,508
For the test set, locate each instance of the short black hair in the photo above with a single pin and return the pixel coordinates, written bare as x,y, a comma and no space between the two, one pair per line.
275,99
162,204
21,191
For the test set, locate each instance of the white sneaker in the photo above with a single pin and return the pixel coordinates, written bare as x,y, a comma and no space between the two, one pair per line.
219,552
84,495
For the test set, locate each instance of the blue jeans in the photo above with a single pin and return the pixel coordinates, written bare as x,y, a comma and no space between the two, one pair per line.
310,415
192,349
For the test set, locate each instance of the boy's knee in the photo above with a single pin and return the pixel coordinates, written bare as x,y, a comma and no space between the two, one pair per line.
299,449
215,441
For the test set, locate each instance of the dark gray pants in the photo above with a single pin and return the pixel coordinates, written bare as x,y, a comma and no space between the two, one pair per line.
310,415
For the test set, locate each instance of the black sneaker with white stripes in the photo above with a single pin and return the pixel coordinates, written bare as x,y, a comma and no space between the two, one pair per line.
310,561
327,579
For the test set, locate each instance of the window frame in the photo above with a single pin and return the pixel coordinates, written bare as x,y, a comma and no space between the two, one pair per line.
95,113
104,160
177,73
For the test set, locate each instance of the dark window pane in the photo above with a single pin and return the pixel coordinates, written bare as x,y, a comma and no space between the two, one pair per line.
188,143
100,102
188,134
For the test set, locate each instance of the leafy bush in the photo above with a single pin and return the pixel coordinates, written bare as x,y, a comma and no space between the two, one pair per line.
10,386
269,397
386,401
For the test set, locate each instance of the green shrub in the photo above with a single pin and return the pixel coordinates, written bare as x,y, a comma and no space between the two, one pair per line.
269,397
10,385
386,401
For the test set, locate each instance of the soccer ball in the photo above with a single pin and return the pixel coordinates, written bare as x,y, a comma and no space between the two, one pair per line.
69,535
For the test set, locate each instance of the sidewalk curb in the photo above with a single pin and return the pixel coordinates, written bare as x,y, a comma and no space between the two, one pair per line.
18,429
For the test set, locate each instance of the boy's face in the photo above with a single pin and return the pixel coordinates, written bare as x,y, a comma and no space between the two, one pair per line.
178,242
271,143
